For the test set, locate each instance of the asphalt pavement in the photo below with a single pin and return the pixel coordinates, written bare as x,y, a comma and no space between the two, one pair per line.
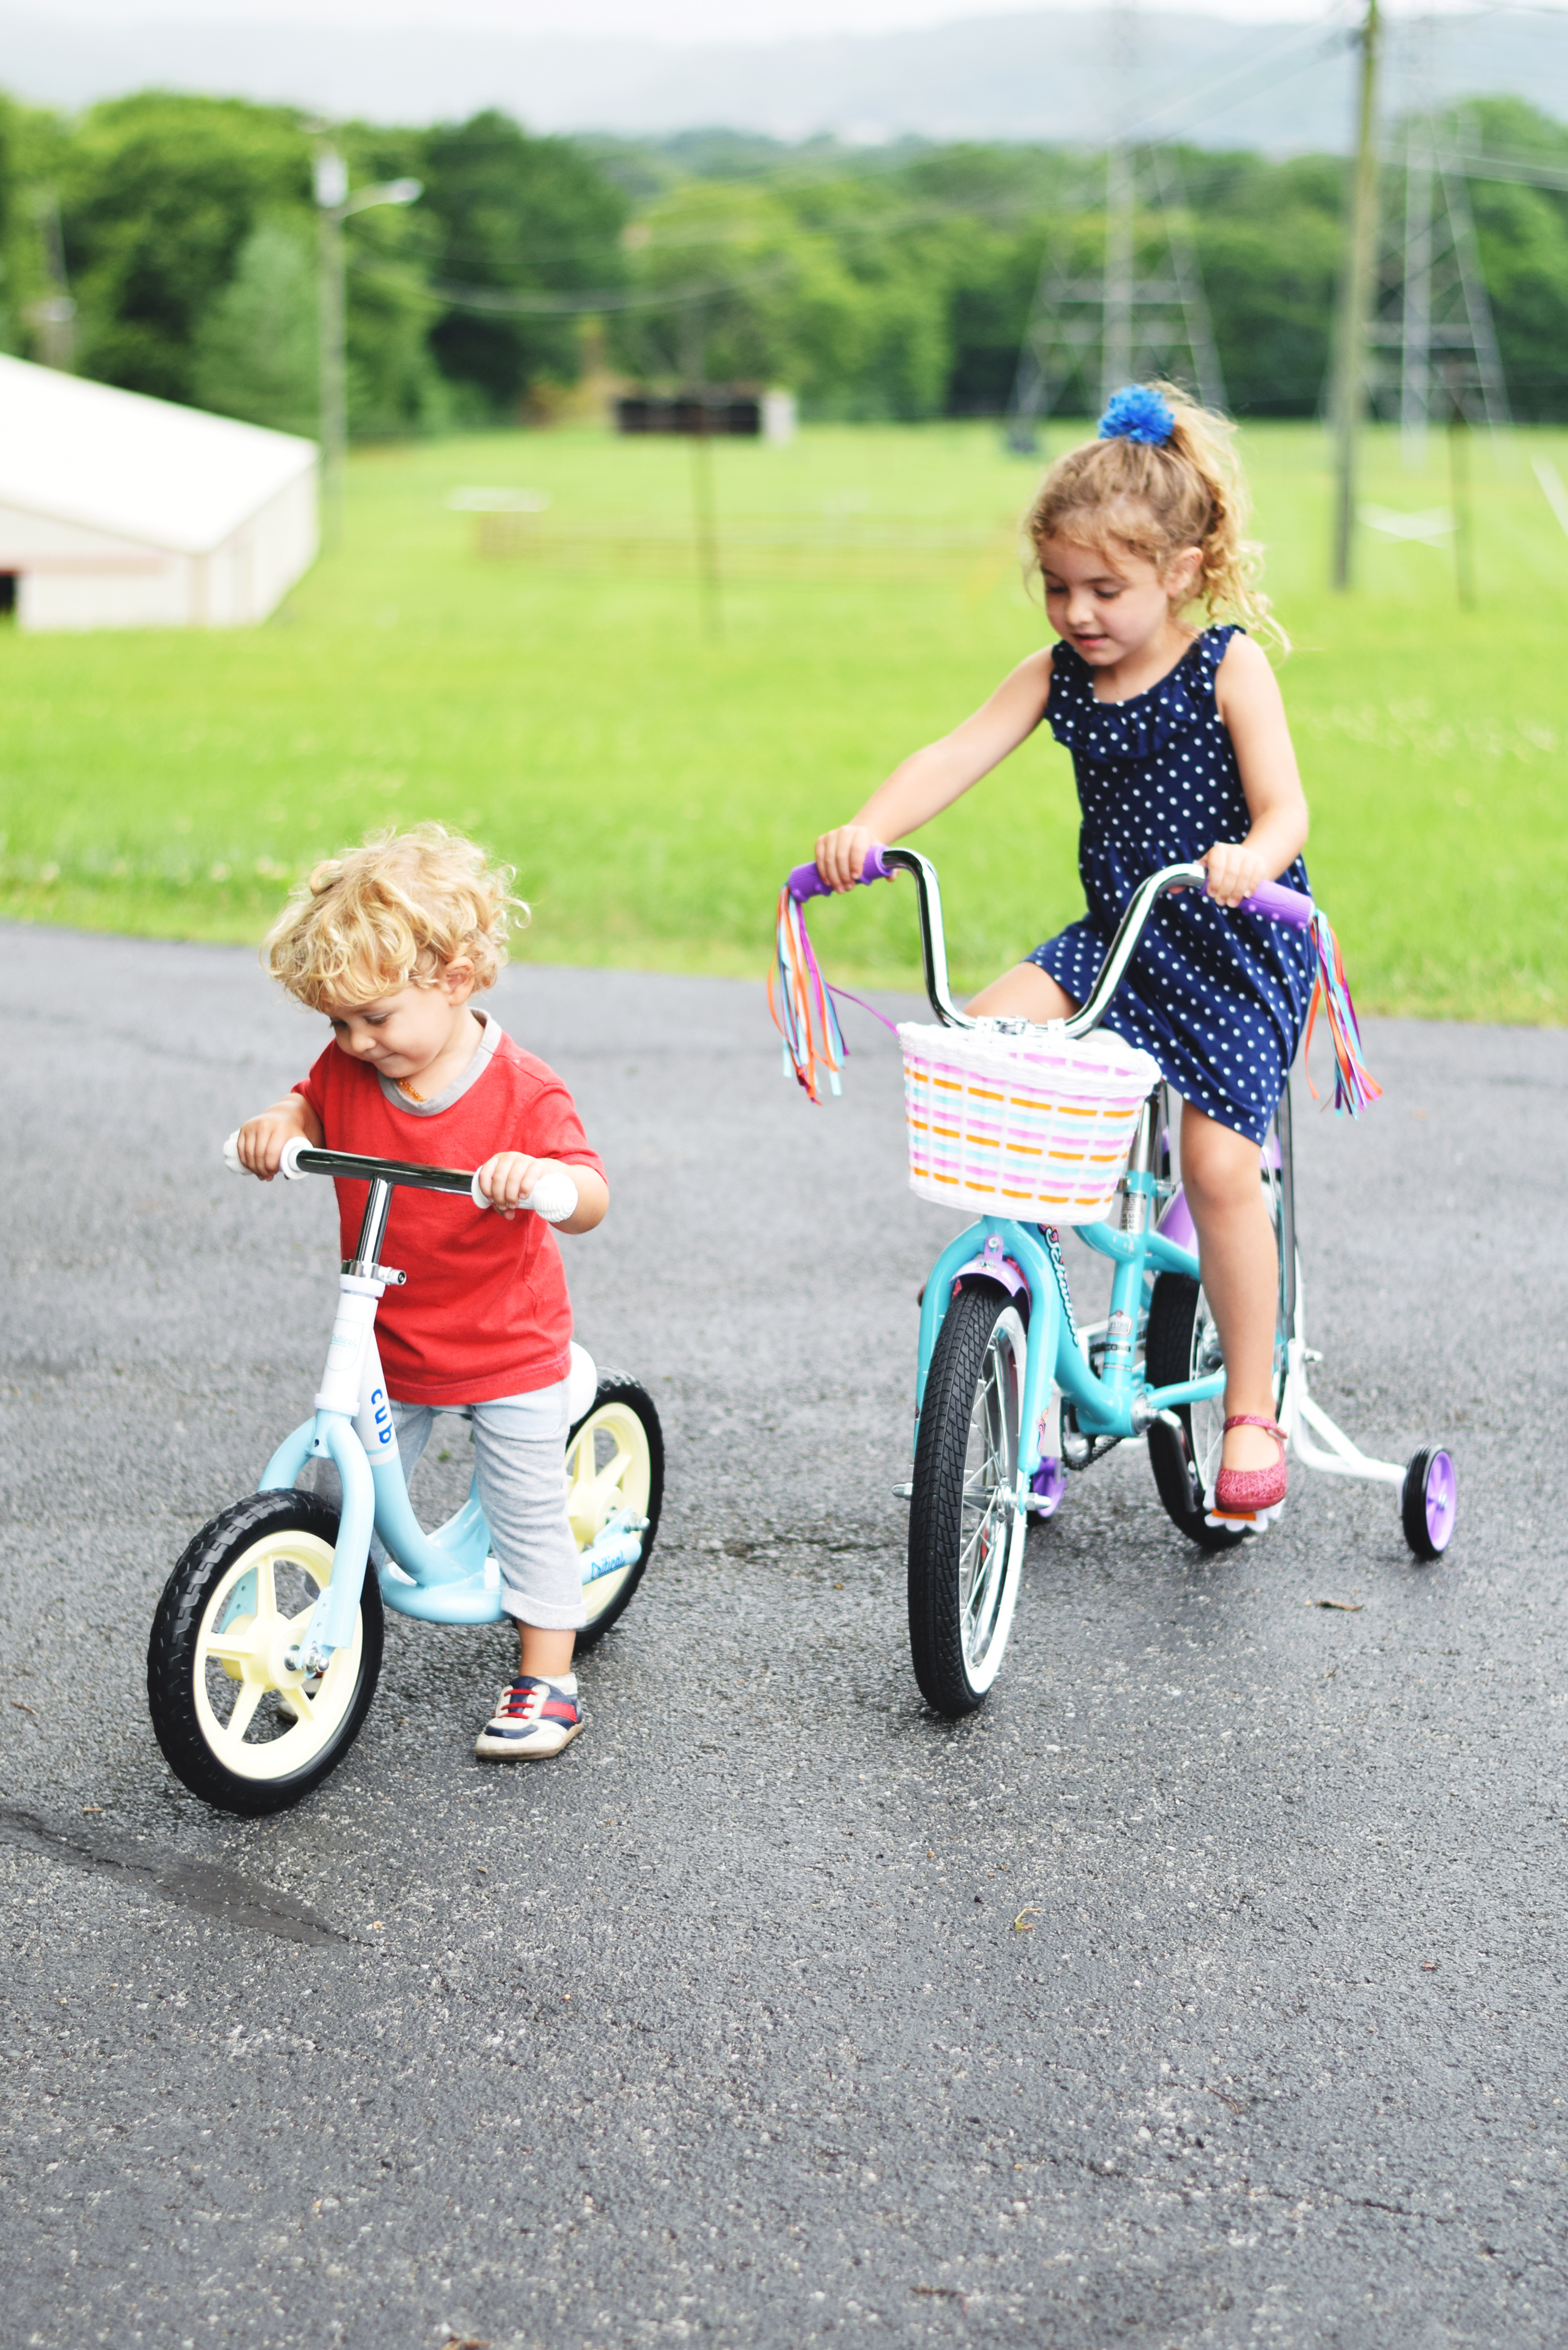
1205,1989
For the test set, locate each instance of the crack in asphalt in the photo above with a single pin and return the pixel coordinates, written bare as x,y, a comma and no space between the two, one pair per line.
196,1885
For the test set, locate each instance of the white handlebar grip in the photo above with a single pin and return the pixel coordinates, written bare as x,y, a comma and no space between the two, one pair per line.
554,1196
288,1166
232,1153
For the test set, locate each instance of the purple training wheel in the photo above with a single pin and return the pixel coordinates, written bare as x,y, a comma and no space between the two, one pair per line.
1430,1502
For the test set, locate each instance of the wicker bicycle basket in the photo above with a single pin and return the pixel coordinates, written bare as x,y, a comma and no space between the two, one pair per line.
1037,1126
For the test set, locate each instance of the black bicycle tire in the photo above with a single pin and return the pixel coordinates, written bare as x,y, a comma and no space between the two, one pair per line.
172,1643
936,1503
1167,1352
619,1386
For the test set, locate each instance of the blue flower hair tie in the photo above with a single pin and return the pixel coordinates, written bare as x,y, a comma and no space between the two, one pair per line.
1137,412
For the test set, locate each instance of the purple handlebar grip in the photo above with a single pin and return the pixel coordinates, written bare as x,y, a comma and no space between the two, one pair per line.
805,882
1278,904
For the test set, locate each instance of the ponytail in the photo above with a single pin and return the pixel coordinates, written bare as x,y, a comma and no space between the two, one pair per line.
1161,477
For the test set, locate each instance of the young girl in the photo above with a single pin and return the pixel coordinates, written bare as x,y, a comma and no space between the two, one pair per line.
390,942
1182,753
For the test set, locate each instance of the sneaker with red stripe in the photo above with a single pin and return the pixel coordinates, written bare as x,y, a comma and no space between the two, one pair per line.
533,1718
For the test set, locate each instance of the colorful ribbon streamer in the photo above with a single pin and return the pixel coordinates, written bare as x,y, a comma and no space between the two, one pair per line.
802,1006
1354,1086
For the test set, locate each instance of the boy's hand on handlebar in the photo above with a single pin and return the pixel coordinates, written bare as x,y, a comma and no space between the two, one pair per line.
260,1141
841,854
1234,871
509,1177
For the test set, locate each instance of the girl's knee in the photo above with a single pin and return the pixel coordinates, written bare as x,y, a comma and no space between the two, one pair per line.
1025,992
1219,1166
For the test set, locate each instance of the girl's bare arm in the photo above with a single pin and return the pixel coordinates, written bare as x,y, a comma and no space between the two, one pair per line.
1254,710
931,779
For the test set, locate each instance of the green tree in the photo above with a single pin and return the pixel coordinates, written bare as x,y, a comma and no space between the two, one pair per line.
257,350
160,192
515,215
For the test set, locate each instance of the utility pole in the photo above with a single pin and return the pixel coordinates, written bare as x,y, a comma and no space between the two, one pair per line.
333,206
53,319
1116,341
1355,297
704,519
1415,319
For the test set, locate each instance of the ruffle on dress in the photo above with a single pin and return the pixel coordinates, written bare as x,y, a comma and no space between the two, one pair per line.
1148,722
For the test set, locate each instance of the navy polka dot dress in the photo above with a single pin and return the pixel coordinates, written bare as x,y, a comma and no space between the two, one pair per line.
1219,998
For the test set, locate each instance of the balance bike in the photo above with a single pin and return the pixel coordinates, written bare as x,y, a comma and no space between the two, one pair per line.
266,1644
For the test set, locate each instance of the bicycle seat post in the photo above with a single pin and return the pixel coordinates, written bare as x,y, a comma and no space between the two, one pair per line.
1139,1175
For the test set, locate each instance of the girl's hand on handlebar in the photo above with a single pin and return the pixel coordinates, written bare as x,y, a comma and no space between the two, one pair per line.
260,1141
841,854
1234,871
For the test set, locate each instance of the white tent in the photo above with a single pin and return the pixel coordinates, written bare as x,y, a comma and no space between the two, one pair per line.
119,512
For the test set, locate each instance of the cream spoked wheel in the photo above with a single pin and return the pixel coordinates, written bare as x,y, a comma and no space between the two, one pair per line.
615,1470
241,1725
259,1717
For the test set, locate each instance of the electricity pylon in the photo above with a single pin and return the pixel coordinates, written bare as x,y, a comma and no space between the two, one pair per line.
1126,319
1432,349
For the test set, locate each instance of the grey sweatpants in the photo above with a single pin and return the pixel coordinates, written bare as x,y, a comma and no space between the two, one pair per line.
519,1453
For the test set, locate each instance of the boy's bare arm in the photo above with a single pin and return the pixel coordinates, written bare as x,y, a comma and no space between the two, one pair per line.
511,1176
262,1139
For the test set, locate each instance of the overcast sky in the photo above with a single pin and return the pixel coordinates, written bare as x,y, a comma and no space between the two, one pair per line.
664,20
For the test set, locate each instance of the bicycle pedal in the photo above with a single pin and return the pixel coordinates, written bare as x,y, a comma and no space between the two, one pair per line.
1242,1521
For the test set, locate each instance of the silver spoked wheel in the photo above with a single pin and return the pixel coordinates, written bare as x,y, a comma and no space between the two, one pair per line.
1207,1420
1182,1343
966,1534
990,1544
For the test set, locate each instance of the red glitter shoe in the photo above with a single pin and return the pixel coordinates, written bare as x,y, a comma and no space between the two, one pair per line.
1240,1490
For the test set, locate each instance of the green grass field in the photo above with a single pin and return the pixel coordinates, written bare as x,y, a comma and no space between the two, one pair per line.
651,781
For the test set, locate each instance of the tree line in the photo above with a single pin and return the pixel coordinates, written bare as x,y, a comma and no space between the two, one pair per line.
895,284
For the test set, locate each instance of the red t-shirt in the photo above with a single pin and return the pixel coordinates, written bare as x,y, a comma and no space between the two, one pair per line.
484,1312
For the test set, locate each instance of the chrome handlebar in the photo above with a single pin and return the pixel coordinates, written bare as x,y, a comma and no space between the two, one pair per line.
1122,946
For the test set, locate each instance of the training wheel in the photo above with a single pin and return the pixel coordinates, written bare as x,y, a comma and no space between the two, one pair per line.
1430,1502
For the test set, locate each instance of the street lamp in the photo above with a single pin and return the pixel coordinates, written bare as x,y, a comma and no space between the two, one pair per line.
333,205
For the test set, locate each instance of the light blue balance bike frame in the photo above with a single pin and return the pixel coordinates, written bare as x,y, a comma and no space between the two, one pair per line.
267,1641
1011,1391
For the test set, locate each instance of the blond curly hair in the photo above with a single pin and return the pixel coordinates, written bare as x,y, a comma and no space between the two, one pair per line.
394,912
1159,500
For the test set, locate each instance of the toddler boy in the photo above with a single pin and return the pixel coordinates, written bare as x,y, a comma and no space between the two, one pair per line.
391,942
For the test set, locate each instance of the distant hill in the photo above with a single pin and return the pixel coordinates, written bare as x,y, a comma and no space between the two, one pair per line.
1278,87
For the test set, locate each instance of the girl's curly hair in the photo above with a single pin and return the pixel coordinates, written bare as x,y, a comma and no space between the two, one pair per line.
1159,498
394,912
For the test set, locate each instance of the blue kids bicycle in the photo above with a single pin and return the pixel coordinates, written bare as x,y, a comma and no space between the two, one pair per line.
266,1644
1041,1128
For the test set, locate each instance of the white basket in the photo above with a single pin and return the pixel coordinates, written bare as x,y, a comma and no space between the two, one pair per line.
1037,1126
